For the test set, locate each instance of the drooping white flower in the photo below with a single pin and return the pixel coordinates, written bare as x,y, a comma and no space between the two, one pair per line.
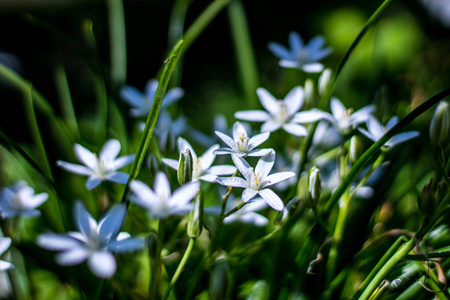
241,145
345,120
202,169
161,202
281,113
299,55
94,242
375,131
5,242
102,167
257,180
19,200
142,103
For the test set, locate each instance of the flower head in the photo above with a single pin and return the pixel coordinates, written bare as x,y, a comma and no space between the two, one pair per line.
241,145
20,200
161,202
257,180
202,168
299,55
375,131
94,242
5,242
281,113
102,167
142,103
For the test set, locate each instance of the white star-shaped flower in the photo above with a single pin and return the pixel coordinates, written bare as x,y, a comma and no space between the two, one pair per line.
142,103
376,131
281,113
257,180
94,242
20,200
202,168
161,202
241,145
5,242
102,167
299,55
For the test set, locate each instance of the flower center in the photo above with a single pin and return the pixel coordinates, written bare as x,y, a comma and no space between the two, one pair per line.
344,120
283,115
302,56
242,143
198,170
257,181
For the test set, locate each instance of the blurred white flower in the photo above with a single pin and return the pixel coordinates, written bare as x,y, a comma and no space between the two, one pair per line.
161,202
5,242
142,103
241,145
257,180
94,242
299,55
376,131
202,168
19,200
281,113
247,214
102,167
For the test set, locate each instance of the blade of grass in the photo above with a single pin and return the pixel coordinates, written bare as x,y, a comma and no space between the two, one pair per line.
117,43
169,66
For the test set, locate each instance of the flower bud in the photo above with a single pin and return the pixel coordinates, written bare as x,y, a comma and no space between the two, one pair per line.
440,124
353,149
195,226
219,281
426,200
314,185
185,167
309,92
324,81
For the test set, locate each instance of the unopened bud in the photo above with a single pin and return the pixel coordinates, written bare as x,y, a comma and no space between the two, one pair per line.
309,92
440,124
195,226
353,153
314,185
185,167
219,281
324,81
426,200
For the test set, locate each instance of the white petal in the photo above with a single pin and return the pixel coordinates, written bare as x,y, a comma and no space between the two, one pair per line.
368,134
93,182
401,137
391,123
84,222
208,157
310,116
232,181
272,199
171,163
162,186
289,64
222,170
337,108
110,150
375,128
86,157
123,161
126,245
258,139
35,201
208,177
131,95
295,129
4,244
172,96
4,265
238,131
279,50
77,169
72,257
260,152
144,196
102,264
252,115
265,164
295,41
248,194
269,102
223,151
243,167
227,140
270,126
57,242
278,177
185,193
312,68
294,100
118,177
109,226
183,144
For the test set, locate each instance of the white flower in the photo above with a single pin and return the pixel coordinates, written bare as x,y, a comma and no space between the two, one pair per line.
102,167
376,131
301,56
345,120
142,103
257,180
281,113
20,200
202,168
247,214
241,145
94,242
5,242
161,202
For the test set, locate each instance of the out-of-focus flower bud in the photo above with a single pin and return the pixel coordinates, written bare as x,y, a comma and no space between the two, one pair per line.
426,200
218,287
353,149
195,226
314,185
185,167
324,81
440,124
151,244
309,92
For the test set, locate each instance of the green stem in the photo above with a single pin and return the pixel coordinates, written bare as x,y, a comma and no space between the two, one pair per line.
117,43
244,51
387,267
180,267
156,263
